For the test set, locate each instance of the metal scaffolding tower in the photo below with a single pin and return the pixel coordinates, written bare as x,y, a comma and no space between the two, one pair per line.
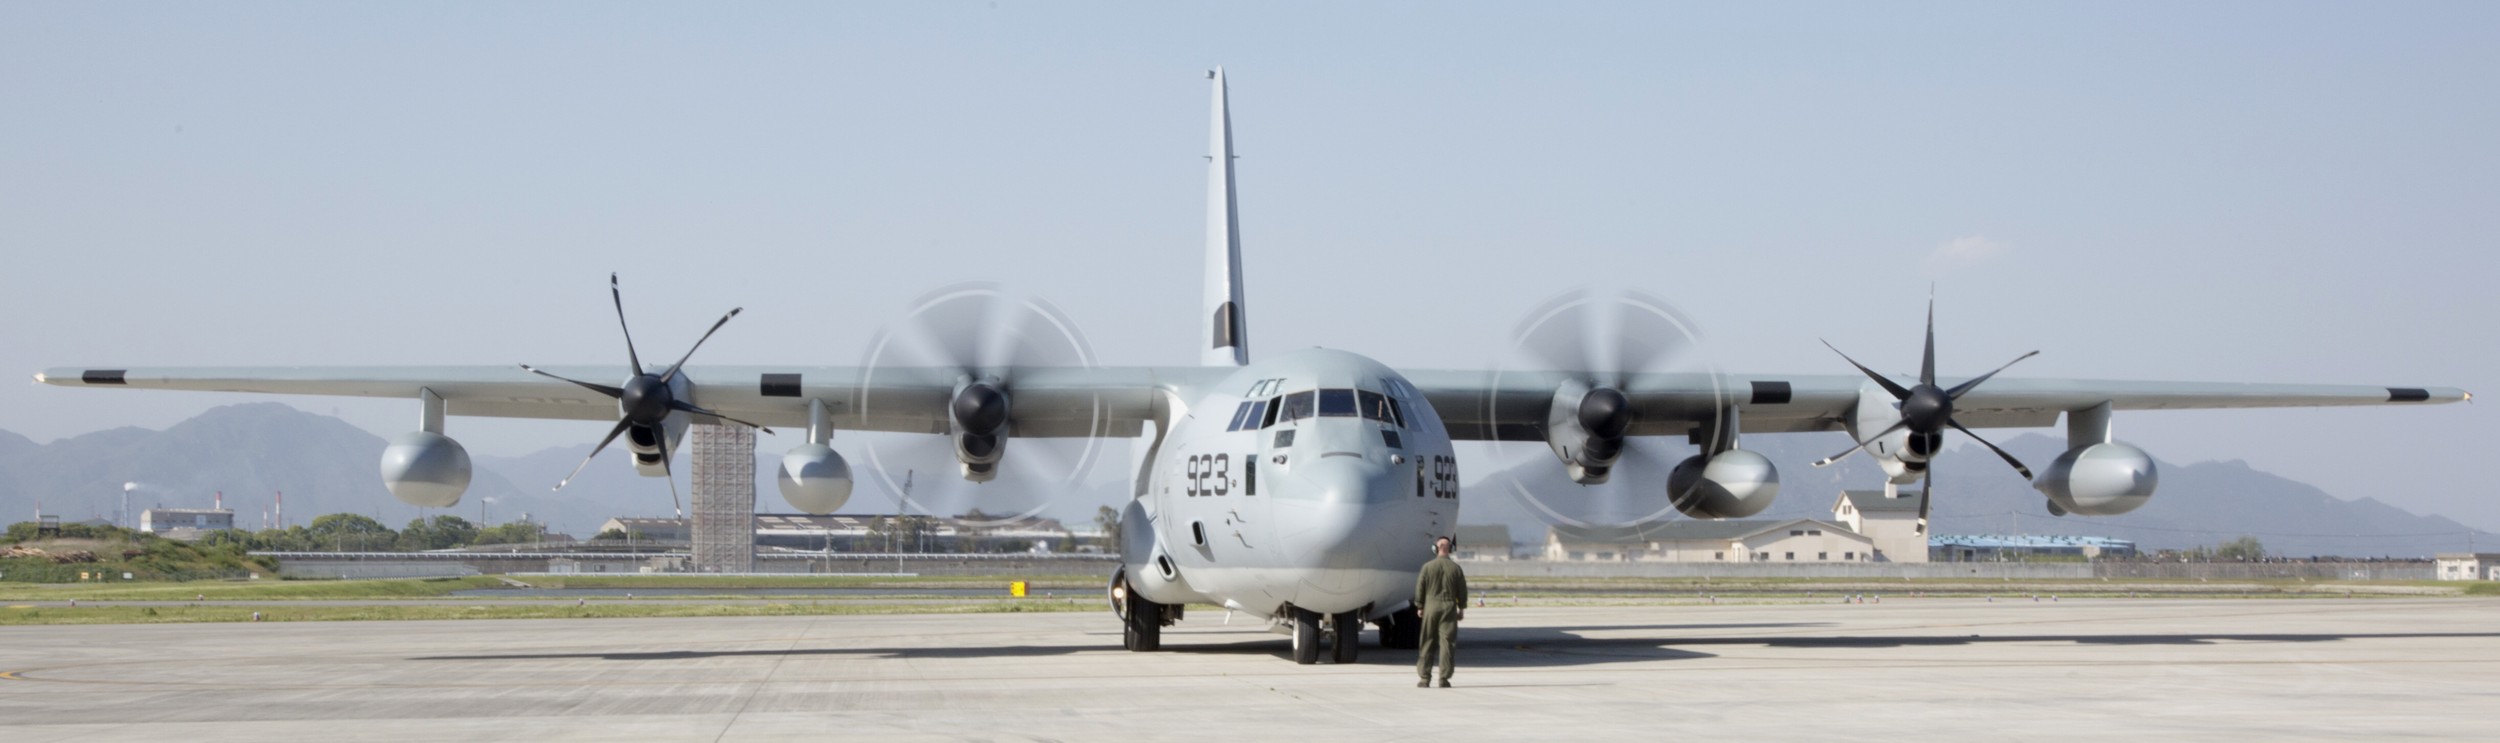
724,498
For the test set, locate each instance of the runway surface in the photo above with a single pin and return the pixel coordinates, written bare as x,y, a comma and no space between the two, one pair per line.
2336,669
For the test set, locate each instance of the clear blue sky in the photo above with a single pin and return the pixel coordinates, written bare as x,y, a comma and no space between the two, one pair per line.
2212,191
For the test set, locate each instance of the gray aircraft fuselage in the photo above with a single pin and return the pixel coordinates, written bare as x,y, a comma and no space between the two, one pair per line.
1315,479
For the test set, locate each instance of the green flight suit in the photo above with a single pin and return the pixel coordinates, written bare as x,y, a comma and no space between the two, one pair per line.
1440,593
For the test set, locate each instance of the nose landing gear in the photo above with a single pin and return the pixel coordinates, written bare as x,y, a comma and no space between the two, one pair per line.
1348,635
1342,633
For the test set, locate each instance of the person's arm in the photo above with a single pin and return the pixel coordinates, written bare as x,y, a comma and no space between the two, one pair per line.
1459,581
1420,578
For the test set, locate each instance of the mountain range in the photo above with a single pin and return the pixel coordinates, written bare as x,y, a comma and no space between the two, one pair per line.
2199,504
325,465
252,452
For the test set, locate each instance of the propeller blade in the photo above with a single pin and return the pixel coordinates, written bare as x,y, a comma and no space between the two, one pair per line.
1926,487
619,296
1000,336
594,452
2009,458
1555,336
1956,392
1646,335
1862,444
1898,392
682,405
698,343
1927,362
671,475
599,388
948,329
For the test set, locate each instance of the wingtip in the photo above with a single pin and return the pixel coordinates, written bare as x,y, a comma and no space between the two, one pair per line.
39,379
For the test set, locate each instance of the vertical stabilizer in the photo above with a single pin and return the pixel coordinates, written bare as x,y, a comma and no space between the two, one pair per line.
1227,342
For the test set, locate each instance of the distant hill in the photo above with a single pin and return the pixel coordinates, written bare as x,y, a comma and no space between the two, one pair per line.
325,465
2197,504
251,452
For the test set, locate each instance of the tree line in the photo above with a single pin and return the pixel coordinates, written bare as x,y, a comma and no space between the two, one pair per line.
348,532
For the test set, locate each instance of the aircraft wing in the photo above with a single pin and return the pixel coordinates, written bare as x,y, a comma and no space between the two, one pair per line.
1049,402
1116,401
1482,406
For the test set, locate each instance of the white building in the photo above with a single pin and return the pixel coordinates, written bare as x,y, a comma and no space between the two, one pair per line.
185,523
1696,540
2469,566
1866,526
1890,522
660,530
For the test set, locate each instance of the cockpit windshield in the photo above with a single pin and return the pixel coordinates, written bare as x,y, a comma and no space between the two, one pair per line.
1299,405
1381,408
1336,403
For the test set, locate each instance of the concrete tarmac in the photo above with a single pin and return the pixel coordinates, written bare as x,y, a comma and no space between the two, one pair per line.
1905,669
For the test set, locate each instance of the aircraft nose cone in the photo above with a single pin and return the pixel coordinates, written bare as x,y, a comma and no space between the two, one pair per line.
1343,477
1334,507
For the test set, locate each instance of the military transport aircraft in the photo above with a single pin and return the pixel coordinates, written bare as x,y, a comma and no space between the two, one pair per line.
1299,487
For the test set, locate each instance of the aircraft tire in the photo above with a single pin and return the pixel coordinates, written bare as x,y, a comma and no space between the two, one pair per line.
1143,630
1305,637
1348,628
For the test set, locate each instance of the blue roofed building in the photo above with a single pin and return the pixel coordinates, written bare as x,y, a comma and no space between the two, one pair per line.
1994,547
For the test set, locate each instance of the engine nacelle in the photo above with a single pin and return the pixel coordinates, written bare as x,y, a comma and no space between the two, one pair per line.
1735,484
814,479
2099,480
978,414
1585,426
426,469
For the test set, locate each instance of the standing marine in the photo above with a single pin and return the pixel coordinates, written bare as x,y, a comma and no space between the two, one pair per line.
1441,594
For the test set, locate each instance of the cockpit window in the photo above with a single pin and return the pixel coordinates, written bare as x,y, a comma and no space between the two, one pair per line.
1336,403
1267,415
1246,416
1379,407
1300,405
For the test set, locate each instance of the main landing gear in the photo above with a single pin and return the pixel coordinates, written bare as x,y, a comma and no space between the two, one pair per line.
1403,630
1341,632
1141,619
1142,625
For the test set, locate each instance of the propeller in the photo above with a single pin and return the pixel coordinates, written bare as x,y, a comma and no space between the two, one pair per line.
980,341
1926,410
646,400
1595,345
